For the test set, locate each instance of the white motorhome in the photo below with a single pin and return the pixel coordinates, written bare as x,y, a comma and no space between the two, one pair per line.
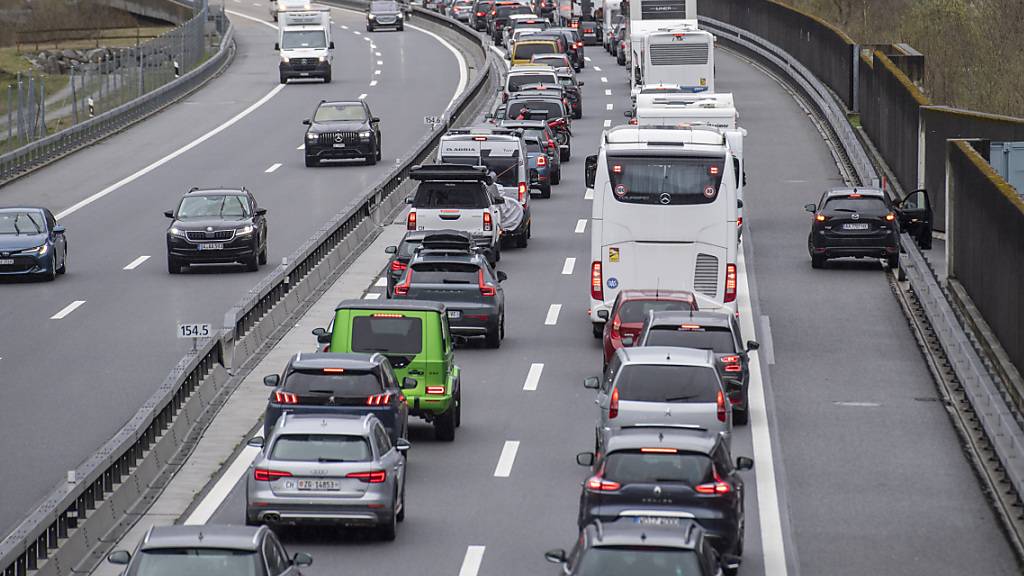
649,15
664,215
682,55
304,41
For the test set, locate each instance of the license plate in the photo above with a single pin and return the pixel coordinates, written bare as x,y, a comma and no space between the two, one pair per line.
212,246
6,261
339,145
303,73
656,521
318,485
454,314
858,226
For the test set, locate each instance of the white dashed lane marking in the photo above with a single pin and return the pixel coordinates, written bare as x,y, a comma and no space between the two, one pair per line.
362,96
380,62
597,68
136,263
570,263
552,317
609,106
589,194
67,310
533,377
372,296
373,83
608,123
581,226
607,92
604,79
273,168
381,282
471,562
301,147
507,459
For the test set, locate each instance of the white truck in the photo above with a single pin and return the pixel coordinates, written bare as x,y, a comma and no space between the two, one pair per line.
683,55
278,6
304,41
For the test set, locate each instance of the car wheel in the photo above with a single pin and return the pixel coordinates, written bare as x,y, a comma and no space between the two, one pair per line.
400,28
252,264
401,513
578,114
598,330
52,274
893,261
379,154
369,28
564,154
389,528
284,79
327,77
556,176
502,326
312,162
545,191
173,265
250,521
263,255
63,263
458,405
371,159
524,240
817,261
493,338
444,426
740,417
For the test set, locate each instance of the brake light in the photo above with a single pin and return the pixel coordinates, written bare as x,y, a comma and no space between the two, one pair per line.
374,477
689,326
485,289
334,370
730,359
403,288
522,192
480,138
596,281
739,221
435,390
613,405
598,484
410,221
479,14
266,475
633,121
285,397
720,401
379,399
617,169
493,12
488,223
820,217
718,488
588,30
386,315
713,170
890,217
730,283
542,161
397,266
659,451
854,195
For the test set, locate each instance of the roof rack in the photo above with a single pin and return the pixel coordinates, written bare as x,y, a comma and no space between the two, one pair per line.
450,172
446,241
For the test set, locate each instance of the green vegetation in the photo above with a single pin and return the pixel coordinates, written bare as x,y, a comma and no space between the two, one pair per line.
11,63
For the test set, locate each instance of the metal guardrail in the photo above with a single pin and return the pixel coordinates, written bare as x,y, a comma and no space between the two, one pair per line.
33,155
71,529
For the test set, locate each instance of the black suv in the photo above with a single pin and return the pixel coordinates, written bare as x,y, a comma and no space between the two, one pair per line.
648,471
340,130
862,222
530,104
384,14
645,545
706,330
216,226
400,256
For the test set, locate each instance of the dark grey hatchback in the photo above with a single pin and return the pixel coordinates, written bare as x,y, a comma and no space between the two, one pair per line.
384,14
216,226
31,243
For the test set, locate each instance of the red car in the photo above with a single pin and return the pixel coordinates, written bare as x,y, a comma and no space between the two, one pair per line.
631,308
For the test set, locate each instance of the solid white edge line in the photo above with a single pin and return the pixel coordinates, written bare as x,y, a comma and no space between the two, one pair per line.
463,68
273,168
581,226
533,376
507,459
135,176
471,561
220,491
773,544
135,263
552,318
67,310
570,263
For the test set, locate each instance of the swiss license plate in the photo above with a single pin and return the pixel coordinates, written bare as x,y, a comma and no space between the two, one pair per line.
6,261
454,314
339,145
319,485
858,226
656,521
303,73
212,246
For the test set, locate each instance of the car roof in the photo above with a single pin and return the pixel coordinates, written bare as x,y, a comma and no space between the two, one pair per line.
217,191
627,532
349,360
206,536
530,69
655,294
336,102
354,424
667,355
21,209
874,192
703,317
689,439
387,305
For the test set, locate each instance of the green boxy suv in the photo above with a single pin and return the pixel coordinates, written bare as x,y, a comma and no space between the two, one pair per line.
414,335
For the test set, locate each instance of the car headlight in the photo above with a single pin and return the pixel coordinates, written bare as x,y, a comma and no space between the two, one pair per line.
176,232
365,135
244,230
371,16
37,251
284,59
311,136
323,58
400,15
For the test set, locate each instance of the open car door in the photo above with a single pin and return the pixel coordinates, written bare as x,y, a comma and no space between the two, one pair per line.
915,214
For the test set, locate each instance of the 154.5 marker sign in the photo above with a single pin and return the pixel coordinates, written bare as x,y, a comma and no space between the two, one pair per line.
194,331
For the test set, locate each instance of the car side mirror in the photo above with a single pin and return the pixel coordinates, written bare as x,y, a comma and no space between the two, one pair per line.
272,380
302,559
739,203
590,170
498,200
119,557
255,442
580,84
501,276
331,45
169,213
627,340
592,382
306,122
585,458
602,314
277,47
556,556
261,211
408,200
628,113
744,463
752,345
322,336
812,208
391,250
58,229
409,383
402,445
374,119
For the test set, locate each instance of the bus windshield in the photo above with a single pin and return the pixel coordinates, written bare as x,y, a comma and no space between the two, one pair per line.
665,180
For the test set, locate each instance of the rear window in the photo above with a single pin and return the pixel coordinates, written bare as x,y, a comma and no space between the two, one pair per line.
383,333
635,311
534,109
517,81
556,61
642,559
450,195
524,50
635,466
665,180
863,204
445,273
348,383
532,145
715,338
506,11
667,383
321,448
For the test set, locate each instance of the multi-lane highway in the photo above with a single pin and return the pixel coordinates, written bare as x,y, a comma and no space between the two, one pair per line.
71,380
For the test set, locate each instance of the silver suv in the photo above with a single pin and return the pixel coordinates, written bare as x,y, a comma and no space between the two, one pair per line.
663,386
328,469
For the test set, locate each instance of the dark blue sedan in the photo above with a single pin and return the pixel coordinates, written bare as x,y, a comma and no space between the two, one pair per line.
31,243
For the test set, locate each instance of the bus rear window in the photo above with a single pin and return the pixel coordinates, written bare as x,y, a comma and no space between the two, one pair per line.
665,180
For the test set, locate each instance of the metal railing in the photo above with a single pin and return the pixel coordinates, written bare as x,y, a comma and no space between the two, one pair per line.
75,525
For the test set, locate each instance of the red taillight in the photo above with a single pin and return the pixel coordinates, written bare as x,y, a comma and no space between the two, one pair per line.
285,397
613,405
435,390
730,359
485,289
616,324
659,451
730,282
733,368
403,288
379,399
739,221
493,12
265,475
720,401
718,488
588,30
375,477
522,192
596,281
542,161
598,484
397,266
488,223
634,121
410,221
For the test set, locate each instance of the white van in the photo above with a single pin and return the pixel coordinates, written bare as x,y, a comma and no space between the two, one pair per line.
304,41
500,149
664,215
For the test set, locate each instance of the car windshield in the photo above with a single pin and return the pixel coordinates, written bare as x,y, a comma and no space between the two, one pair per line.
634,311
28,223
346,384
645,560
339,112
450,195
639,466
534,109
292,39
665,180
515,82
213,206
718,339
383,6
320,448
445,273
177,561
387,332
864,204
667,383
526,50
